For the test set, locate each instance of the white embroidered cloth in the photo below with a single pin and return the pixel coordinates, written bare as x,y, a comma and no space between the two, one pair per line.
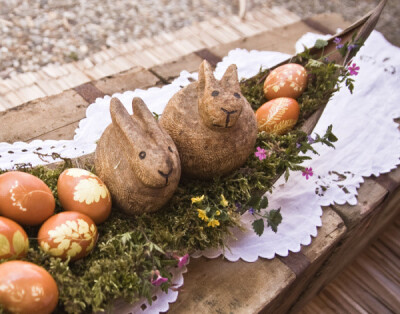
369,144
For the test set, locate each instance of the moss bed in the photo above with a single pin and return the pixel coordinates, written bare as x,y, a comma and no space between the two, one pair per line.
130,248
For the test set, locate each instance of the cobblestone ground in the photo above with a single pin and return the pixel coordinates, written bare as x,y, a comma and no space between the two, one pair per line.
34,33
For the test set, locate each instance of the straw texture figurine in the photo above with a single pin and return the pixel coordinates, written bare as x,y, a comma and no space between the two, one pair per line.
137,159
212,124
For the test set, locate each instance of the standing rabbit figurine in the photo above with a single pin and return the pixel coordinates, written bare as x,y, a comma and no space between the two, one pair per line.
212,124
137,159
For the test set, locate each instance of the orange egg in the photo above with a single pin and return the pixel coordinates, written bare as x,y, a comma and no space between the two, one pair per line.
25,198
27,288
13,239
278,116
68,234
289,80
82,191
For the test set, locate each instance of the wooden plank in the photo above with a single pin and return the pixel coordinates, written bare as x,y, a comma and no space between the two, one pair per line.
65,110
370,284
372,218
89,92
13,99
370,196
390,181
4,88
66,132
25,122
206,54
29,93
49,87
136,77
282,40
219,286
307,263
171,70
4,104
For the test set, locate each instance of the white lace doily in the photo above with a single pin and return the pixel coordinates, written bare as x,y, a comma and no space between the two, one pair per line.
369,143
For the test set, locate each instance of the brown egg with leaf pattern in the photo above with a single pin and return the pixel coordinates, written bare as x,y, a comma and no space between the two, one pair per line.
14,241
27,288
25,198
288,80
278,115
68,235
82,191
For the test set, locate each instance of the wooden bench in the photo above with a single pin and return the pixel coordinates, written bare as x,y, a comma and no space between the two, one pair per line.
218,286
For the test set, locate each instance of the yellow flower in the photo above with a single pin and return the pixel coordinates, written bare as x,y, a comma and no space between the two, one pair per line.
202,215
197,199
217,213
223,202
213,223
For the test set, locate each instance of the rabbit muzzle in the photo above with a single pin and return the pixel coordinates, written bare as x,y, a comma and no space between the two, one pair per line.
165,175
228,119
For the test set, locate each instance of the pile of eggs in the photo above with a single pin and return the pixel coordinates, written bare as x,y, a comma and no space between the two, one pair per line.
281,87
26,200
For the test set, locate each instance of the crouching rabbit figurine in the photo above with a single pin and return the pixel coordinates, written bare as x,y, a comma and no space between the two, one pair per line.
212,124
137,159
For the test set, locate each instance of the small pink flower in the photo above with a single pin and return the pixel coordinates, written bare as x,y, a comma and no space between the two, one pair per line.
307,173
159,279
261,153
353,69
182,261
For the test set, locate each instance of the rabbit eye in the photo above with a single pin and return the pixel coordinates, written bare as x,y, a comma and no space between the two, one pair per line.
142,155
236,95
170,149
215,93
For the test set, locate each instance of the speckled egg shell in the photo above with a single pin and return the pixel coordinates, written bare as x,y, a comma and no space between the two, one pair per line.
27,288
289,80
82,191
278,116
14,241
68,234
25,198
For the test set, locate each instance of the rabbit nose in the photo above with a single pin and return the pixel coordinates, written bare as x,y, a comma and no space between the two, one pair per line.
165,175
228,116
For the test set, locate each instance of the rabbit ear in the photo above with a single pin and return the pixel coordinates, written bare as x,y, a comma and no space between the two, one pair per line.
206,75
140,111
122,121
142,114
230,77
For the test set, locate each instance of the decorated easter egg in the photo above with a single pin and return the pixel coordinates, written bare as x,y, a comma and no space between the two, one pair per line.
278,115
82,191
25,198
13,239
68,234
288,80
27,288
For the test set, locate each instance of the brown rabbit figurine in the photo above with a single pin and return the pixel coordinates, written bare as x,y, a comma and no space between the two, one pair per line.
137,159
212,124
